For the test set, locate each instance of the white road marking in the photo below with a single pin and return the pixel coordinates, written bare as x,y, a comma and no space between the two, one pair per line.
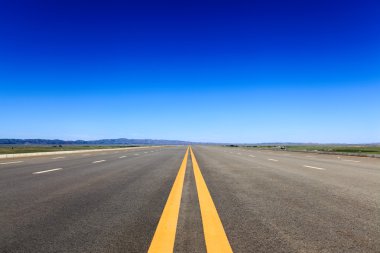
45,171
100,161
252,156
338,157
123,156
312,167
85,154
274,160
145,152
60,157
309,156
12,162
238,153
351,161
136,154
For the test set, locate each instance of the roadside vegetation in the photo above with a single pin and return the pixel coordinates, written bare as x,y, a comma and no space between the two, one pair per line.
341,149
353,149
31,149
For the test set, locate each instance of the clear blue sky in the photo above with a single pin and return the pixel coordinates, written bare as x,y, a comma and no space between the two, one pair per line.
223,71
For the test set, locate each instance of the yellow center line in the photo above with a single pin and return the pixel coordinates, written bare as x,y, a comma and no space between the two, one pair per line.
164,237
215,236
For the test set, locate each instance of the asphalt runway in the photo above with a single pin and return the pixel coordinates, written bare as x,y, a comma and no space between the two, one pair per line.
227,199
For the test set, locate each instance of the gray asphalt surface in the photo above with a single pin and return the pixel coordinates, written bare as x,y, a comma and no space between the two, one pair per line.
112,206
268,201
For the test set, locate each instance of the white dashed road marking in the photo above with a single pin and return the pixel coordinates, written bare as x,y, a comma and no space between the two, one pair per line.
12,162
100,161
45,171
60,157
351,161
312,167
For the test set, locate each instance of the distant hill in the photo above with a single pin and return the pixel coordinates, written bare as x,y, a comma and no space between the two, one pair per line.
120,141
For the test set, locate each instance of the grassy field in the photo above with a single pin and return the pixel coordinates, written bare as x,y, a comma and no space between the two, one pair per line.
327,148
343,149
32,149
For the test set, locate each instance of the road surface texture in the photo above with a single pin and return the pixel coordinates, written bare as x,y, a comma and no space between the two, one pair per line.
220,199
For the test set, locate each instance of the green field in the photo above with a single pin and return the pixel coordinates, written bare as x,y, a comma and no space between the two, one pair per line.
343,149
326,148
31,149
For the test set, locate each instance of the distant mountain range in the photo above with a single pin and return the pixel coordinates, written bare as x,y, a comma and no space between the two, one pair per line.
120,141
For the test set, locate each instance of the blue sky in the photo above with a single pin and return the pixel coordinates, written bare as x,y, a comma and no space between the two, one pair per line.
223,71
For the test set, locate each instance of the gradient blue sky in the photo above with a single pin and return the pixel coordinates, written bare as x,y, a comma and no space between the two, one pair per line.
223,71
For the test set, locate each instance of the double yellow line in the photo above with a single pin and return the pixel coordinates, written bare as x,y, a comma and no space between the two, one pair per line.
215,236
